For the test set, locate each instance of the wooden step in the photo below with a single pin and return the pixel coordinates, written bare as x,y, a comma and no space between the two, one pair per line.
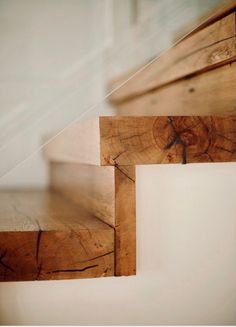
93,164
210,93
211,45
206,19
107,193
44,236
195,77
115,141
170,103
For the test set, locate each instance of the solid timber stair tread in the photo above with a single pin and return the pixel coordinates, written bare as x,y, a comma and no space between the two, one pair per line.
210,45
112,141
31,210
196,76
44,236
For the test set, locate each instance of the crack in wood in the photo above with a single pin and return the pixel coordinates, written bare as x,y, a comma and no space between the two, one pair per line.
71,270
95,258
6,266
113,160
99,256
39,269
133,136
226,138
118,167
224,149
177,140
78,237
104,273
38,241
112,136
188,76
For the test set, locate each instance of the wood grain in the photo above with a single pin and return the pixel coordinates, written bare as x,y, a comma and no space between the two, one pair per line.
109,194
155,140
91,187
43,236
208,48
210,93
221,10
131,141
125,240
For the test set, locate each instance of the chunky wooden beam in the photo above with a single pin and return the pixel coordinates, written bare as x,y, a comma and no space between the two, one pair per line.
168,140
107,193
125,240
202,51
210,93
43,236
149,140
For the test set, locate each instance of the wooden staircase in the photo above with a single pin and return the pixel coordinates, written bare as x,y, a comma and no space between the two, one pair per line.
178,109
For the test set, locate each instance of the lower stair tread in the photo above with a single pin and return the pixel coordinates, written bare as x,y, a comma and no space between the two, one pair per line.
44,236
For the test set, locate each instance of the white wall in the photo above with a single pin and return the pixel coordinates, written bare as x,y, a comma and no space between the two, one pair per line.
186,233
51,72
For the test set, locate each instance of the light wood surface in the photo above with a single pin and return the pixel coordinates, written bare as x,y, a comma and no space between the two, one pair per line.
155,140
125,241
91,187
145,140
225,8
210,93
210,47
43,236
109,194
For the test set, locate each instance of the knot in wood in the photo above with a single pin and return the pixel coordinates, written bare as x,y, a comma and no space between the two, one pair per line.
181,136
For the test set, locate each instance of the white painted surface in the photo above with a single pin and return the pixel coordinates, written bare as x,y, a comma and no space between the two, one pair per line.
51,72
186,233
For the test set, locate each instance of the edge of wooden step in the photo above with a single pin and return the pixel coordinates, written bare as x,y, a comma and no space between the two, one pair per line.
144,140
210,45
43,236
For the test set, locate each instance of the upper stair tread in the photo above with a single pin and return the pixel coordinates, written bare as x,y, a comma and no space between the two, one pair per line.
210,45
146,140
